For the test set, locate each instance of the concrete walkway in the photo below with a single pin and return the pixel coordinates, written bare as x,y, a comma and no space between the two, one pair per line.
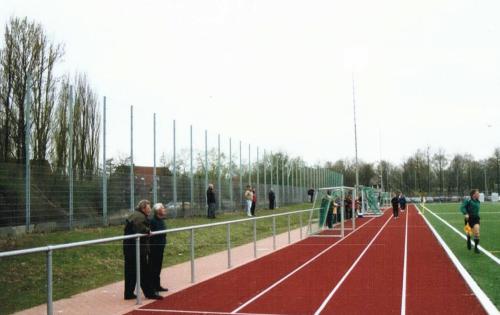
108,300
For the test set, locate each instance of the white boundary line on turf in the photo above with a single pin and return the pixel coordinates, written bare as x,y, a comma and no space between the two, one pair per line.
329,297
403,293
297,269
480,295
487,253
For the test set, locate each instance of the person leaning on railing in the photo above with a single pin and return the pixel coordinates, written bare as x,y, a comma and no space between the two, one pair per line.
138,222
157,243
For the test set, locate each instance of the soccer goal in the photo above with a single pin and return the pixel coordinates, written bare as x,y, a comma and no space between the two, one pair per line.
334,205
369,202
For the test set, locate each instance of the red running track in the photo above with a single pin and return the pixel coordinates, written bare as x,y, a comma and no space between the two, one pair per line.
360,274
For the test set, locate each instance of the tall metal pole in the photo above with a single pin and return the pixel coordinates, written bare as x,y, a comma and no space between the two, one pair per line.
355,132
249,167
258,182
70,161
283,177
231,173
271,167
27,147
218,174
175,169
206,164
155,188
241,179
265,174
104,168
132,158
191,177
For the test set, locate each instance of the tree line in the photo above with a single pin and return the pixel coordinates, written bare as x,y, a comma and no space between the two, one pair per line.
28,61
427,173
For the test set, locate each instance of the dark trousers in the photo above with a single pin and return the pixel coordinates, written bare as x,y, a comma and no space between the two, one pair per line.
271,204
211,210
130,273
329,219
252,208
156,258
395,211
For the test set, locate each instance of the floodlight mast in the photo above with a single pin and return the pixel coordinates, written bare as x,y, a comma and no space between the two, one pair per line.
355,133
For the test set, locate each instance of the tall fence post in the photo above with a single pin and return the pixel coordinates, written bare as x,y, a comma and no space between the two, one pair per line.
278,187
132,192
249,167
104,168
283,178
258,182
206,165
218,175
155,188
241,179
70,158
175,172
271,178
265,175
27,141
191,175
231,174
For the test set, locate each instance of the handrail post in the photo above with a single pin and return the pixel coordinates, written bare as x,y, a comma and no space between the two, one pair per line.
300,223
289,239
229,246
192,256
274,233
50,309
255,238
138,270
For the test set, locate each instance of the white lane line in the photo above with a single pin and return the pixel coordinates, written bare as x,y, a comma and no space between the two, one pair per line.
487,253
296,270
481,296
329,297
403,293
194,312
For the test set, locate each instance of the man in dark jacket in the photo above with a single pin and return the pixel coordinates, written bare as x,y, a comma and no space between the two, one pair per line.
402,202
211,202
158,243
138,222
272,199
395,205
310,192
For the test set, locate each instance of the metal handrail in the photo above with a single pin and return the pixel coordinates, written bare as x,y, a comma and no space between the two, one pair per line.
124,237
50,248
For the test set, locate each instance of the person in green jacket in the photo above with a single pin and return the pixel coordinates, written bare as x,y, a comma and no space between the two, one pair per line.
470,209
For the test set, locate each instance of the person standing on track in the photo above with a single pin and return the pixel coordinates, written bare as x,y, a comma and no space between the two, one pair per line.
395,205
470,209
402,202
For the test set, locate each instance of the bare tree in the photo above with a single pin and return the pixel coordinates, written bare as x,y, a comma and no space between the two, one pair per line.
27,53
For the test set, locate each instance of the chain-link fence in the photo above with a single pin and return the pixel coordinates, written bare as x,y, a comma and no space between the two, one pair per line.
51,201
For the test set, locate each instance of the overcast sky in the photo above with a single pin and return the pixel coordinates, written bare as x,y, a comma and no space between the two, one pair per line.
278,73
